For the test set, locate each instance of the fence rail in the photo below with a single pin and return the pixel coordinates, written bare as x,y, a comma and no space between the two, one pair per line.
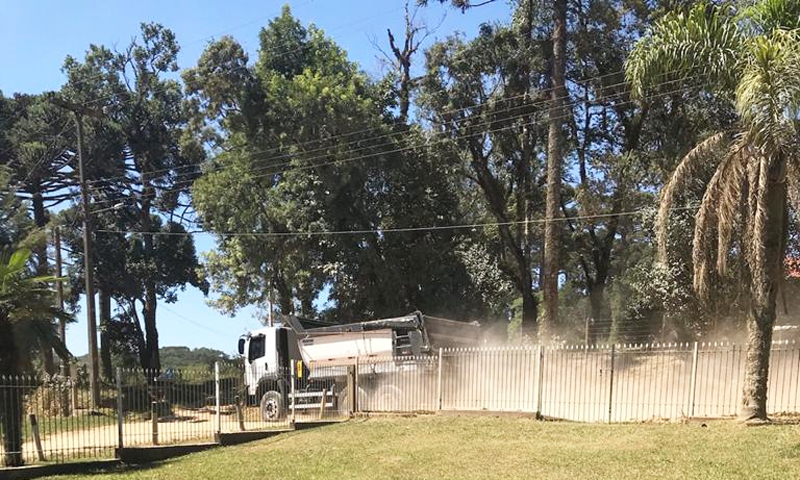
52,419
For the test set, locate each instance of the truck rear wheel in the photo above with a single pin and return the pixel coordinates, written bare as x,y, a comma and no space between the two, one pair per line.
345,405
272,407
388,398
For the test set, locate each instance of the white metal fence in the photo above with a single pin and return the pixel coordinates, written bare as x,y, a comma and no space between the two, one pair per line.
55,422
614,383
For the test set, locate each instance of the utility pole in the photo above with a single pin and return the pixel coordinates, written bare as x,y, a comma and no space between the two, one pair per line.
88,265
269,314
62,324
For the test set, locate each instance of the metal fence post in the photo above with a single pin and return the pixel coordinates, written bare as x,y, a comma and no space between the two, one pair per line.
693,383
120,412
37,439
539,380
292,387
352,389
217,398
73,374
439,383
356,405
154,421
611,382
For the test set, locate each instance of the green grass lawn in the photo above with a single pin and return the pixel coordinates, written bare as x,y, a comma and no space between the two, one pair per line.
483,447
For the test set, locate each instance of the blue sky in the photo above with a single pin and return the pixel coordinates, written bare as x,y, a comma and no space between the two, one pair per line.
36,36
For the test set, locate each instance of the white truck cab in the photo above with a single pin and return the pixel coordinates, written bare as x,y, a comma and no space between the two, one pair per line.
268,353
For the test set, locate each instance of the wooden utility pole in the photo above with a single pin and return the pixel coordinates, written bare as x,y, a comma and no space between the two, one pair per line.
88,265
62,324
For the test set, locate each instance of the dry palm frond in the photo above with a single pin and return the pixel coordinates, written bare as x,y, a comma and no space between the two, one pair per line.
729,212
708,217
687,168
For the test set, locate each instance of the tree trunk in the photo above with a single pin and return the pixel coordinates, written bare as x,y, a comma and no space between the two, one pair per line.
599,315
141,346
11,398
552,228
527,153
150,330
759,340
150,300
762,310
40,252
105,347
285,302
529,312
11,419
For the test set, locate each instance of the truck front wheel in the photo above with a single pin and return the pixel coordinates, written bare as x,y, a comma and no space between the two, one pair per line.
272,407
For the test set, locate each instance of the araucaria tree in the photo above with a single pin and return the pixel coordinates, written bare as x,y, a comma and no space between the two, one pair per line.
145,161
752,57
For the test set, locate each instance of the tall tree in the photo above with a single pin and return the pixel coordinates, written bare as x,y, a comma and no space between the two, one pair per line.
40,158
159,160
752,56
555,158
309,144
402,57
477,96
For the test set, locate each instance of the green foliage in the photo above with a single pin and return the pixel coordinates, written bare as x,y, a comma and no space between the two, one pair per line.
26,328
26,313
145,163
745,208
186,358
173,357
14,220
296,126
299,139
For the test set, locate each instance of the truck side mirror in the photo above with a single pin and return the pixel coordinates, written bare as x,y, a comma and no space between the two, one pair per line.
241,346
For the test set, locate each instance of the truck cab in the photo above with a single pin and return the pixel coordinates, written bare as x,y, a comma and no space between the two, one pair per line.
268,353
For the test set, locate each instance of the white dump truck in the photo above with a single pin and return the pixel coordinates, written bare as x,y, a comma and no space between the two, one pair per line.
325,355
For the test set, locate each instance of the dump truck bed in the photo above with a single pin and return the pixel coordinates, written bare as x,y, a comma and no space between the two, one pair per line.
413,334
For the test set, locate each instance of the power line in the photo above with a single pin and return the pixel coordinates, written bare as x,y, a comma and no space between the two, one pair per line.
180,185
187,319
426,141
392,134
381,231
536,103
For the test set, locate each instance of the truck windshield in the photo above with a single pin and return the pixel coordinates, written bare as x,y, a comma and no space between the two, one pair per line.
256,347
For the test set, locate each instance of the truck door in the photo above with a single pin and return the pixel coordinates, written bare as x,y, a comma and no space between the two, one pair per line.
282,341
254,364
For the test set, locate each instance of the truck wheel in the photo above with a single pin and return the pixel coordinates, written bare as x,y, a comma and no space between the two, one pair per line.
388,398
345,406
272,407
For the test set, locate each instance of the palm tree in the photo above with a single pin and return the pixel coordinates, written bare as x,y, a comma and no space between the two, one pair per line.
26,313
751,56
